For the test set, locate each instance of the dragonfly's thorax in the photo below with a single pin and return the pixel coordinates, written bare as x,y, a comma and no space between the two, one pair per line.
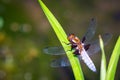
76,44
80,48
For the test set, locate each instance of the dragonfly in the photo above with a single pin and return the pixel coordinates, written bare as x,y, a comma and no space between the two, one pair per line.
83,48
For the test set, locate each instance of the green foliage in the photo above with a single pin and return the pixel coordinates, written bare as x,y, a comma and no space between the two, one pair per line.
103,61
112,63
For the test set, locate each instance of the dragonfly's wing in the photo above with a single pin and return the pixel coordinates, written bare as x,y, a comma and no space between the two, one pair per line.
95,46
54,50
90,32
61,62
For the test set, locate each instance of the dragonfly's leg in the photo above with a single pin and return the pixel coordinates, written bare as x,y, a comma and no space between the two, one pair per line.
67,43
73,46
71,50
76,52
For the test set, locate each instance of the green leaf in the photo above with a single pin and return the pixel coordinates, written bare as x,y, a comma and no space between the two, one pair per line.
75,64
113,61
103,61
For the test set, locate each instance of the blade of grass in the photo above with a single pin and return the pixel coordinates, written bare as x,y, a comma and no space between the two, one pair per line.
113,61
63,39
103,60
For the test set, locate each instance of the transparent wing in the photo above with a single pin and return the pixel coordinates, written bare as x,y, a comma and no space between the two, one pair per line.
90,32
94,45
61,62
57,50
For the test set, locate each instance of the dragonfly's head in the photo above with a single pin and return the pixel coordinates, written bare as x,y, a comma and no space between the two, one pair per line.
73,39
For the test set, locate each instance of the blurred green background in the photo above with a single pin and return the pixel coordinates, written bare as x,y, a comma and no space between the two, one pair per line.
25,31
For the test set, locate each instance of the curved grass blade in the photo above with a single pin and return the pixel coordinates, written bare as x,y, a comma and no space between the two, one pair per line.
103,60
63,39
113,61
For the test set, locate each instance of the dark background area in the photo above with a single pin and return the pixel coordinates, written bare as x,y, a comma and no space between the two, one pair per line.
25,31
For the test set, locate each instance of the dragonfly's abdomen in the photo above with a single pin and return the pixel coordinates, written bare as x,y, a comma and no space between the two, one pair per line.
88,61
